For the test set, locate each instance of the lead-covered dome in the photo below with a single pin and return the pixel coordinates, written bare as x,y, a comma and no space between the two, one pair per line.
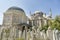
15,8
14,16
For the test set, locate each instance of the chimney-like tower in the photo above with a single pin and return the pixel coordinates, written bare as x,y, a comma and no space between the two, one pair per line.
50,13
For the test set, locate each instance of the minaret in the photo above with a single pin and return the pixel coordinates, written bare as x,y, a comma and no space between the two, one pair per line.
31,20
50,13
30,13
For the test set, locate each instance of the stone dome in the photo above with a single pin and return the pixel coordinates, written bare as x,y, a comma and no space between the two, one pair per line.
16,8
40,13
37,12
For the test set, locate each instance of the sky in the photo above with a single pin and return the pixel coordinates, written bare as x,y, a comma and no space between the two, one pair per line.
31,6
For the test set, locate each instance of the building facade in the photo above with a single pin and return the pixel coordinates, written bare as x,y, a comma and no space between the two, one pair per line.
38,19
11,20
15,21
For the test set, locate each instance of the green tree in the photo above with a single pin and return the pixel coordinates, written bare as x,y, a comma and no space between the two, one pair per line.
53,24
56,23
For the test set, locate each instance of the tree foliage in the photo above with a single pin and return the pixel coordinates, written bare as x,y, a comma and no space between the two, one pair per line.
53,24
45,28
56,23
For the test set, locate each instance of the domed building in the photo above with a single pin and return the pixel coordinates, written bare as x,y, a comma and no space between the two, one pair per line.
17,25
38,19
14,22
14,16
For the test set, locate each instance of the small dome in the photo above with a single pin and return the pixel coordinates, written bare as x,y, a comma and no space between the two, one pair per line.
15,8
37,11
40,13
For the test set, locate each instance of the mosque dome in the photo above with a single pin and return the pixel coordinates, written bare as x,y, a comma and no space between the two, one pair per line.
16,8
37,12
40,13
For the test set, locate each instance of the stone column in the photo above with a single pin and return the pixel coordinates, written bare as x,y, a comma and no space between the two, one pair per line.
19,34
25,33
32,22
53,34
